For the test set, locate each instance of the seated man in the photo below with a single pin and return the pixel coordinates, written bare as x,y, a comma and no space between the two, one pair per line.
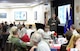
41,44
73,30
16,41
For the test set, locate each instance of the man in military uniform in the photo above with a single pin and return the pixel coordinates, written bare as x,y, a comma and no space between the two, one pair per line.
53,23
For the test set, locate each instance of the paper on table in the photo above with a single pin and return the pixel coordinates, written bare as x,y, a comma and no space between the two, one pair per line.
73,49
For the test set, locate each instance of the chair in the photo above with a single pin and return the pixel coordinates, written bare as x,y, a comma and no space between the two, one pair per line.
63,48
4,38
10,46
0,42
3,43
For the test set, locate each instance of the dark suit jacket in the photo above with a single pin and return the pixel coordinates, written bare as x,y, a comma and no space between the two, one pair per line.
53,27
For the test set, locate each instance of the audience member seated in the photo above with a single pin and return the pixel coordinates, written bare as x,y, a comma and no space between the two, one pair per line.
73,29
19,24
23,34
40,43
14,24
74,43
68,36
0,28
11,32
6,24
40,31
30,30
19,43
78,30
25,38
34,45
22,30
4,35
47,33
4,30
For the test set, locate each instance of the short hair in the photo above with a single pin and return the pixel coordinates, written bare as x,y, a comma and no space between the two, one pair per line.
14,28
47,26
14,32
23,25
4,29
68,35
30,26
73,26
36,37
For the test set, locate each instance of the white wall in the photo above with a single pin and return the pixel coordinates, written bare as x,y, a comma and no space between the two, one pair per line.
40,13
77,14
40,9
48,10
5,11
30,14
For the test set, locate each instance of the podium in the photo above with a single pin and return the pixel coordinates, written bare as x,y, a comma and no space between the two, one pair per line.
39,26
60,30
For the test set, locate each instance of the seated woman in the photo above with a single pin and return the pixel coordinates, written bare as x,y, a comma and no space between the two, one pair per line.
74,43
68,36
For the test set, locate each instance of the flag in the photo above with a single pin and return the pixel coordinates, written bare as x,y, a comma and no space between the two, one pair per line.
69,20
66,25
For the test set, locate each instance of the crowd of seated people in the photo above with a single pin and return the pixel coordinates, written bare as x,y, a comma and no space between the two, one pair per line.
6,33
40,39
71,36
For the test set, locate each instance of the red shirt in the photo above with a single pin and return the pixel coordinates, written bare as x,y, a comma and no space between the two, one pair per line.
25,38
